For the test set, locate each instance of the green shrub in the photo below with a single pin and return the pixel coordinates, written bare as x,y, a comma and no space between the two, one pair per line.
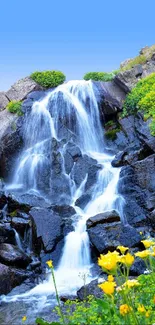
142,98
100,76
48,79
15,107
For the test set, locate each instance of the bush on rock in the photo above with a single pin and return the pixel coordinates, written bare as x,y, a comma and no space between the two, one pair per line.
49,78
100,76
142,98
15,107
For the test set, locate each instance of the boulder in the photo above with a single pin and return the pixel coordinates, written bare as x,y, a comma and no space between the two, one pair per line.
7,120
11,255
90,289
144,171
102,218
22,88
3,100
47,228
110,98
105,237
6,234
11,277
20,224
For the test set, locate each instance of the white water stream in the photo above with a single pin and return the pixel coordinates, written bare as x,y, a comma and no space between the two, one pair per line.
75,103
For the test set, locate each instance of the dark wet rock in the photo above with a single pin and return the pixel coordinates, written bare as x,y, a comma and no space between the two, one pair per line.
11,277
145,173
65,211
55,255
20,224
108,236
118,160
143,132
24,202
110,98
72,153
7,234
90,289
47,228
135,198
152,219
11,143
11,255
83,200
138,267
102,218
3,199
85,166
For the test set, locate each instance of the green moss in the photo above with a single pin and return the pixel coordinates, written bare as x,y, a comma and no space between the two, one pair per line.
142,98
109,123
100,76
48,79
112,134
15,107
13,214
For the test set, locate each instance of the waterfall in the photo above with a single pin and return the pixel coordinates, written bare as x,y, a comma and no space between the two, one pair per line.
74,106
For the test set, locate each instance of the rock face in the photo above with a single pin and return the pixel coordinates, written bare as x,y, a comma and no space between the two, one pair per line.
11,277
11,255
90,289
22,88
48,226
106,232
3,100
126,80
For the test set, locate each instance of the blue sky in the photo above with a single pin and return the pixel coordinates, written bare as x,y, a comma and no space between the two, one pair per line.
72,36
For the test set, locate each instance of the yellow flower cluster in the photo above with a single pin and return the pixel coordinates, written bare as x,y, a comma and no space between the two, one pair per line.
109,261
124,309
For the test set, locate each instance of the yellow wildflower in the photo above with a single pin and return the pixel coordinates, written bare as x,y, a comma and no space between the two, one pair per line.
24,318
141,233
50,264
148,243
147,314
127,259
108,261
122,249
131,283
124,309
143,254
110,278
108,287
141,309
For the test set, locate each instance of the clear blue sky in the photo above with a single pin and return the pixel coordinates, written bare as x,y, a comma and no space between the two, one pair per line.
75,36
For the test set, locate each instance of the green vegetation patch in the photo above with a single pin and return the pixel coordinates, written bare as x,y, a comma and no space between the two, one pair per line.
100,76
142,98
48,79
15,107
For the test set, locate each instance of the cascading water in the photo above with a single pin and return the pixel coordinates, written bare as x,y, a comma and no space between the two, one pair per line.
74,105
